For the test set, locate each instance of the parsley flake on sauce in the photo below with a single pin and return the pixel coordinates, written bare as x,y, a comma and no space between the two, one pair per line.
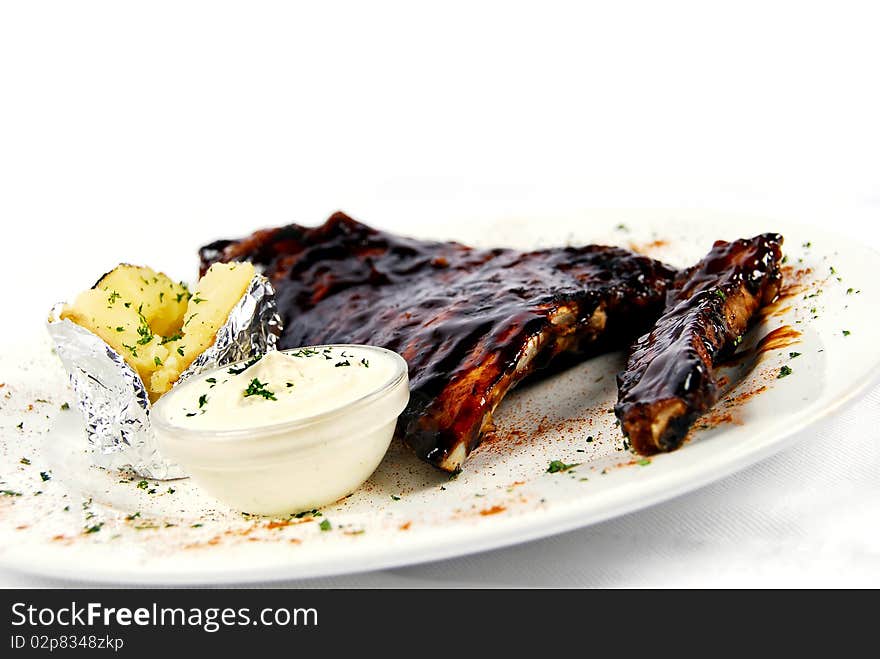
245,366
257,388
783,372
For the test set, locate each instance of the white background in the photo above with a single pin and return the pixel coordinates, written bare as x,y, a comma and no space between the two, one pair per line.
138,131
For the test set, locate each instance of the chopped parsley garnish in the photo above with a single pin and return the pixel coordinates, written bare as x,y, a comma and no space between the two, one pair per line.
113,297
169,339
644,462
325,525
808,244
792,355
198,300
171,490
203,400
143,485
94,529
189,320
180,350
20,425
132,349
161,296
365,362
304,352
846,332
45,476
25,461
737,340
257,388
211,380
120,329
10,493
191,413
720,294
133,516
783,372
157,361
849,291
144,331
622,227
345,363
245,366
65,406
180,296
289,384
395,498
559,465
127,305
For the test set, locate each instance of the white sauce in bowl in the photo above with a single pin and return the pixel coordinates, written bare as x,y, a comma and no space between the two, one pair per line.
293,431
281,387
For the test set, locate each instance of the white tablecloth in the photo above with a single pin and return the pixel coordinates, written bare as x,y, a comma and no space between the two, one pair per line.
126,134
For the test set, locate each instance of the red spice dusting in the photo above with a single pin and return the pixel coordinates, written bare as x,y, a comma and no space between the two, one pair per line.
794,281
405,526
279,523
743,397
494,510
647,247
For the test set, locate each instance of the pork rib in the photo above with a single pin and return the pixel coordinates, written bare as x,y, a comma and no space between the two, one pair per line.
470,322
668,380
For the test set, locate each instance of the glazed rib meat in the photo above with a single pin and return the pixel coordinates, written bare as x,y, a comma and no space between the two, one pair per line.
668,381
470,323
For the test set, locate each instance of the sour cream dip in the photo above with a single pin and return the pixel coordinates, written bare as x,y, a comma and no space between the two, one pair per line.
291,431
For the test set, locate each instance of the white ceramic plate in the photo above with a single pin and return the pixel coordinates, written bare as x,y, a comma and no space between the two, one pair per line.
169,532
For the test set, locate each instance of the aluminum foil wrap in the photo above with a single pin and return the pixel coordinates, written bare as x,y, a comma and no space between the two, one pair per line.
112,397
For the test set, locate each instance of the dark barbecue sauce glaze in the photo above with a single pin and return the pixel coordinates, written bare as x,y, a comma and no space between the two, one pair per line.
668,380
469,322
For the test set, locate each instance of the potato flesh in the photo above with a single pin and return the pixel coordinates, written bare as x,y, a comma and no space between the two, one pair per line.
216,294
154,323
161,301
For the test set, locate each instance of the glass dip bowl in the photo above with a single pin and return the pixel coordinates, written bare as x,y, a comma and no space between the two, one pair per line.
275,449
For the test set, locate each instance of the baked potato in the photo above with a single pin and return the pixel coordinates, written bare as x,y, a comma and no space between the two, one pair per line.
157,326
